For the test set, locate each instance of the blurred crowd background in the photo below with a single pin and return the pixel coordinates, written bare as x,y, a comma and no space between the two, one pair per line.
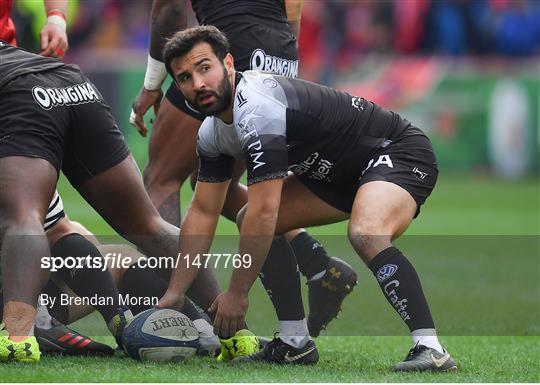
342,30
465,71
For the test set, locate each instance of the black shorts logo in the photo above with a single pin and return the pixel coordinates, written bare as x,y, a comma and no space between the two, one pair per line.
419,174
48,98
382,160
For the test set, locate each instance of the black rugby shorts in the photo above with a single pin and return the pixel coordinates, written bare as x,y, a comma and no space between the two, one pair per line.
60,116
409,162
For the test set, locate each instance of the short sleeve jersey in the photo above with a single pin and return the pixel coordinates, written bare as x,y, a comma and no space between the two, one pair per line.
282,124
55,212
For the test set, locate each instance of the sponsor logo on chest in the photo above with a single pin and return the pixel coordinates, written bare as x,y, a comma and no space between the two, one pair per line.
249,133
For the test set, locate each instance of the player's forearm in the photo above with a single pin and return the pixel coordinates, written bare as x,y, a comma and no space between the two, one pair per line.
256,235
56,5
167,17
195,240
56,11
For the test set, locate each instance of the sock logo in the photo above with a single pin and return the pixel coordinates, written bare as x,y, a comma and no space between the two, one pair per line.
386,272
399,304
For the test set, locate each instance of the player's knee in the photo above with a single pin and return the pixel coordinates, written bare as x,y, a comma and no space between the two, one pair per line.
21,222
152,177
367,237
157,181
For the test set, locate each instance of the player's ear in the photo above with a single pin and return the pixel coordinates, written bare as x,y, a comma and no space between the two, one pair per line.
228,61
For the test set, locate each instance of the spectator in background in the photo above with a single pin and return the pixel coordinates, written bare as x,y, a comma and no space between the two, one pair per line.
310,41
410,19
448,27
517,31
53,37
333,37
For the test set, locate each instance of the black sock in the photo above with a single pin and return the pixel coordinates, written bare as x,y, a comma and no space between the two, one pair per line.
401,287
59,312
280,278
145,282
310,254
88,281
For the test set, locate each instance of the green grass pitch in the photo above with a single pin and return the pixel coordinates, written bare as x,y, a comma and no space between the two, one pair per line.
476,248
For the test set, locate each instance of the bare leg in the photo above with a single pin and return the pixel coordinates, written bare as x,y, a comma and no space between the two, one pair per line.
119,196
171,159
381,212
26,188
300,208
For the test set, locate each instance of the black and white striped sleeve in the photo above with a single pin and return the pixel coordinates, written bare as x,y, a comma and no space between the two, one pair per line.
55,212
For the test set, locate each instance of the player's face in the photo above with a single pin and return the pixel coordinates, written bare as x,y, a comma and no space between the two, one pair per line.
204,80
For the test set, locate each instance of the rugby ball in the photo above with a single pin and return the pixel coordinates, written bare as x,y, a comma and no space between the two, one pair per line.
160,335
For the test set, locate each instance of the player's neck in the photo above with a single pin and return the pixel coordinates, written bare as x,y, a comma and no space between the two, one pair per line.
227,115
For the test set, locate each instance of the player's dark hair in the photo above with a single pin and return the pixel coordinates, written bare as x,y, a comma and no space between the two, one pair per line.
182,42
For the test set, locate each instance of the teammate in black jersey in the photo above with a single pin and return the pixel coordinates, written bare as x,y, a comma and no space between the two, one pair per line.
261,38
53,118
350,159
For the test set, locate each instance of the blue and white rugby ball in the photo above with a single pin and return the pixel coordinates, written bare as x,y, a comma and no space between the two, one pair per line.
161,335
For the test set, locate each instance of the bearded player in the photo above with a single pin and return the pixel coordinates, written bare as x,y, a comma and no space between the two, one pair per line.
263,37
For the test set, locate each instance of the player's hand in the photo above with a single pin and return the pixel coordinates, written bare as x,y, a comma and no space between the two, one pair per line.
54,41
230,309
143,102
171,300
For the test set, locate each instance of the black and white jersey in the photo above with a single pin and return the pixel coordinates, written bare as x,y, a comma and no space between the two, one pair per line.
15,62
282,124
55,212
